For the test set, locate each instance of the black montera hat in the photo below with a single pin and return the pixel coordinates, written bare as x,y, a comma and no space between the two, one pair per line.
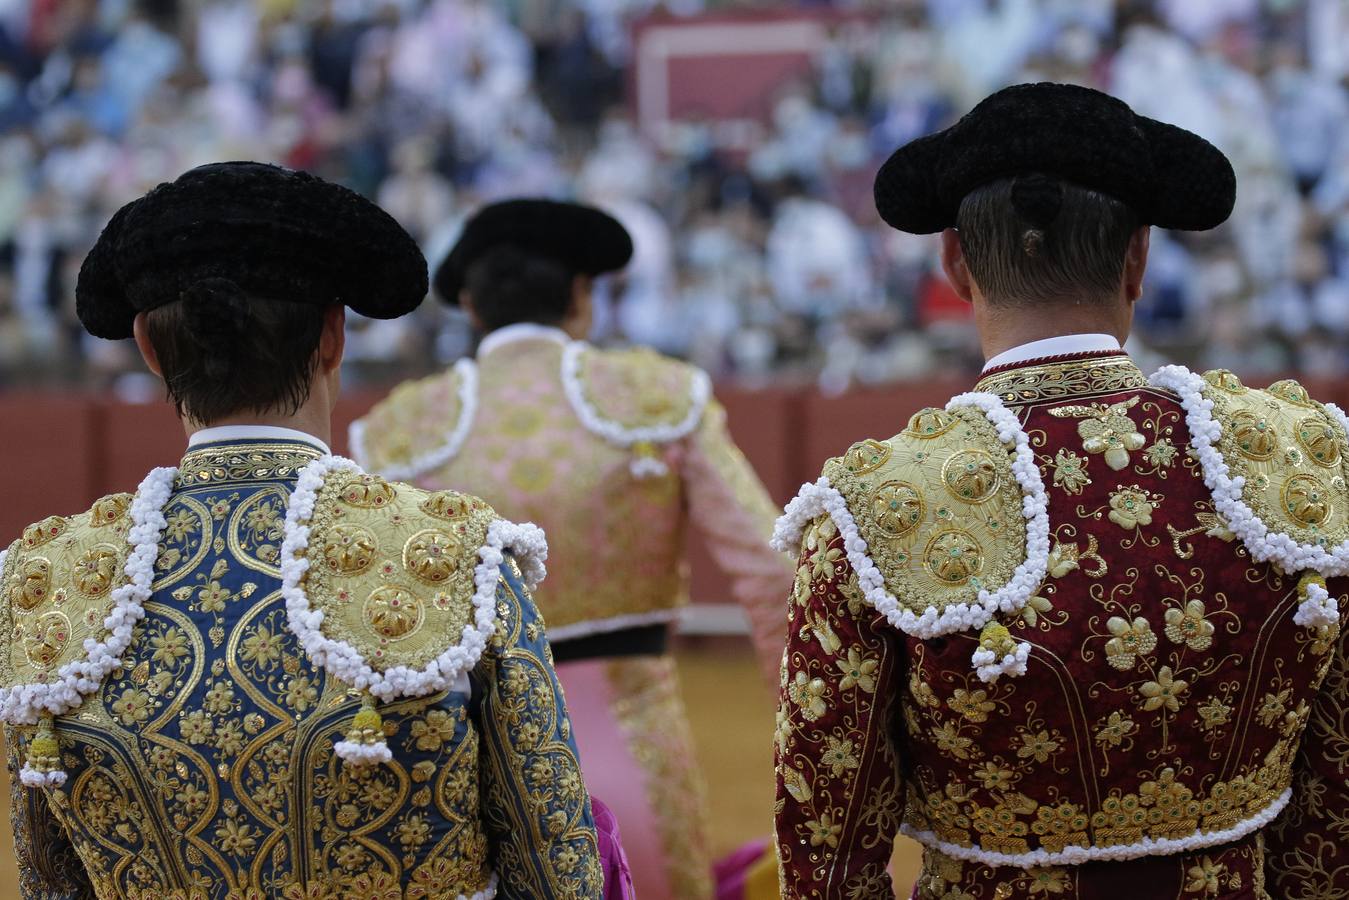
259,229
588,241
1168,176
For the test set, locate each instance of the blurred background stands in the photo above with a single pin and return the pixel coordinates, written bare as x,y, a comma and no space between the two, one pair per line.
736,141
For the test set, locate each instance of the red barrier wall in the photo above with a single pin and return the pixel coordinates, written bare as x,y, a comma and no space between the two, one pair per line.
60,452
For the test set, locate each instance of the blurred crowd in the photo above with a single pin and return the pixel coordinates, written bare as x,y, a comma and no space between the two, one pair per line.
766,261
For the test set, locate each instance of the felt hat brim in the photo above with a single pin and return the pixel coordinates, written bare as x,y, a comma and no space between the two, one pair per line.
271,233
1170,177
587,240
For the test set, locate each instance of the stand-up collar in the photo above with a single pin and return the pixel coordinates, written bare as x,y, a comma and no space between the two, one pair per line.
224,434
1061,345
521,331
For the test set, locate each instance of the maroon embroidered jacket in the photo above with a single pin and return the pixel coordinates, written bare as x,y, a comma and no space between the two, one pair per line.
1175,733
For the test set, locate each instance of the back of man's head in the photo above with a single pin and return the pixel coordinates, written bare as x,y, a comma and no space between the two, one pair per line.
509,284
1035,240
225,353
230,276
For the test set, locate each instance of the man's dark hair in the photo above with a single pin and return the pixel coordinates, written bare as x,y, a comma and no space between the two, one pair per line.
225,353
510,285
1034,239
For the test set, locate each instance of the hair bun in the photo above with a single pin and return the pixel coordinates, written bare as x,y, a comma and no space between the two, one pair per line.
1037,199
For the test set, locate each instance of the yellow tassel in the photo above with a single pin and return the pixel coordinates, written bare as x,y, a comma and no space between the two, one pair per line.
43,767
997,638
364,743
1308,579
367,726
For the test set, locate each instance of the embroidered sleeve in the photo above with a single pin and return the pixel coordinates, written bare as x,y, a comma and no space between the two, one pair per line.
732,508
49,869
535,803
1305,850
839,790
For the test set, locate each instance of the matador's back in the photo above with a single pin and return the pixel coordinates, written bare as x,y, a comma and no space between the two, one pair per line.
269,675
1086,613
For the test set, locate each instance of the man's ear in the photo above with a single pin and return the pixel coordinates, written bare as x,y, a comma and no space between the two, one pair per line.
1136,263
141,333
953,264
333,341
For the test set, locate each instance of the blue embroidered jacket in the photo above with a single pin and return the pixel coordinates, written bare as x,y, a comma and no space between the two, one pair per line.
205,768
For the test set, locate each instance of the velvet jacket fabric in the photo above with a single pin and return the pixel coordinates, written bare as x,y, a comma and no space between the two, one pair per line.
1169,695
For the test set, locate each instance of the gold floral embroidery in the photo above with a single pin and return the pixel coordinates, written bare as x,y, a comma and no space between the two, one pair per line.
1165,691
1131,507
1106,430
1115,730
1070,471
1131,640
1189,627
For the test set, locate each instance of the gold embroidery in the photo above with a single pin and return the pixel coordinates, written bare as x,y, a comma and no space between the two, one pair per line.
348,549
897,507
1290,488
1225,381
971,476
942,515
637,388
1320,439
49,529
1070,471
368,492
52,603
1292,392
1256,438
34,584
243,463
109,510
866,456
376,555
94,572
651,716
1307,501
451,505
432,555
1075,378
954,557
930,423
393,613
1107,430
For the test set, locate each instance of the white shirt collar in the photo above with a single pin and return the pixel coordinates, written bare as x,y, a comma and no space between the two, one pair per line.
521,331
1054,346
254,433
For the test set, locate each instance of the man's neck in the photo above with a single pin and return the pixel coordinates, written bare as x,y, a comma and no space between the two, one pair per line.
1002,329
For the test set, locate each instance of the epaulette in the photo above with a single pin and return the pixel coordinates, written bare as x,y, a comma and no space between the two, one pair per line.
636,399
71,591
1276,462
392,589
420,426
945,523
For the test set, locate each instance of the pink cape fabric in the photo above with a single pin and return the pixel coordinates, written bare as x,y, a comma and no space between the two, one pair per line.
617,875
732,871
